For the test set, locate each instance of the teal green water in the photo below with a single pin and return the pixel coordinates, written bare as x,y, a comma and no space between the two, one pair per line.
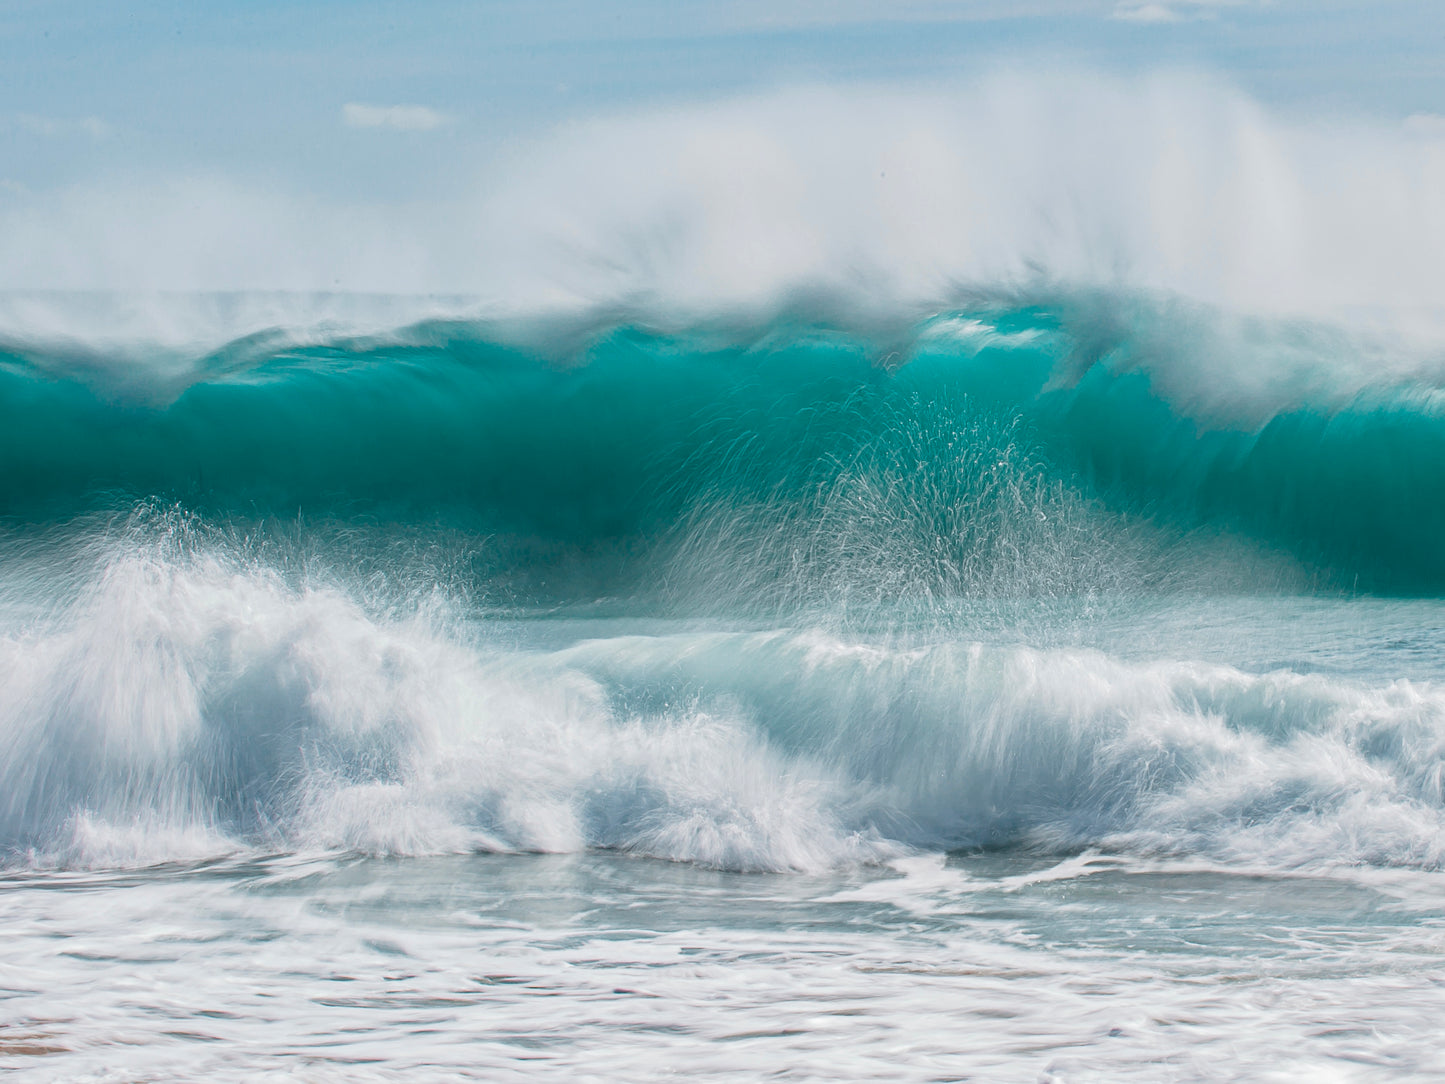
1045,691
1030,449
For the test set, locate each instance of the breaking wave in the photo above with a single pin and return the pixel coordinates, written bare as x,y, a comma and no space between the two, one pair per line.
755,595
185,703
1051,444
795,481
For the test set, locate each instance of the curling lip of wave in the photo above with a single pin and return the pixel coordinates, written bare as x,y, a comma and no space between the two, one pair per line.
1059,443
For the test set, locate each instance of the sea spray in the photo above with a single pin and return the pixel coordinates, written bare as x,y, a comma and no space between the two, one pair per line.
189,700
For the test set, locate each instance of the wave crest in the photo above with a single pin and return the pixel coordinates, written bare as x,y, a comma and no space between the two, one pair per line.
197,705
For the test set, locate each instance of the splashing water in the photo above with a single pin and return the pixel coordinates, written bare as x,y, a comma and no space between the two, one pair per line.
1020,675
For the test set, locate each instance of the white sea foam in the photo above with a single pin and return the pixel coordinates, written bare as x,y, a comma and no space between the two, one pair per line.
180,703
196,704
600,968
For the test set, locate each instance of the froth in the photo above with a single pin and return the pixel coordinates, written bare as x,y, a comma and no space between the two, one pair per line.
192,704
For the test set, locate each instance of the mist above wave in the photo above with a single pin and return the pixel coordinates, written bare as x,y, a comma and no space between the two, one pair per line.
881,197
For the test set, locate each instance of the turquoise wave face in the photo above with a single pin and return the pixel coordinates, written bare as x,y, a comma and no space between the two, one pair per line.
1064,448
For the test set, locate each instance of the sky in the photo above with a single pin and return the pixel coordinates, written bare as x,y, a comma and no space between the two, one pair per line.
393,102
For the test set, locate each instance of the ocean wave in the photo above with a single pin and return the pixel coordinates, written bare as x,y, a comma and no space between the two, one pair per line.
1049,444
195,703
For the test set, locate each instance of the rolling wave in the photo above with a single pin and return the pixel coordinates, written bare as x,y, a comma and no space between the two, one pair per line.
1062,445
766,594
189,704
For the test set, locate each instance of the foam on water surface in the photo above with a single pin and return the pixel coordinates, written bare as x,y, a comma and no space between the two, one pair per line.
535,967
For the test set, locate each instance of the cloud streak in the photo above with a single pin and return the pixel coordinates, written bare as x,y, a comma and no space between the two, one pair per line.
1171,11
61,127
1426,125
396,118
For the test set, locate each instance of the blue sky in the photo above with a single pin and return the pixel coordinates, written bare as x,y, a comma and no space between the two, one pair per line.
388,101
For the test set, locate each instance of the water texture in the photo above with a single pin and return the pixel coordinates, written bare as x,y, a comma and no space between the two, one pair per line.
1045,685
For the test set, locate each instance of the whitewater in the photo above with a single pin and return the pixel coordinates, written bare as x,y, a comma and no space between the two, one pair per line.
903,586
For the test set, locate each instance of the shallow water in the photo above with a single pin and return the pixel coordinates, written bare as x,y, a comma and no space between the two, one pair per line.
597,966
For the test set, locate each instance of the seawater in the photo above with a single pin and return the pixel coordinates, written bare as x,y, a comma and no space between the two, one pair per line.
599,966
1040,687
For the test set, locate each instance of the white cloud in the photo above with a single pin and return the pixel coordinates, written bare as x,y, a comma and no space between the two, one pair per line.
1427,125
748,15
39,125
399,118
1171,11
1147,13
